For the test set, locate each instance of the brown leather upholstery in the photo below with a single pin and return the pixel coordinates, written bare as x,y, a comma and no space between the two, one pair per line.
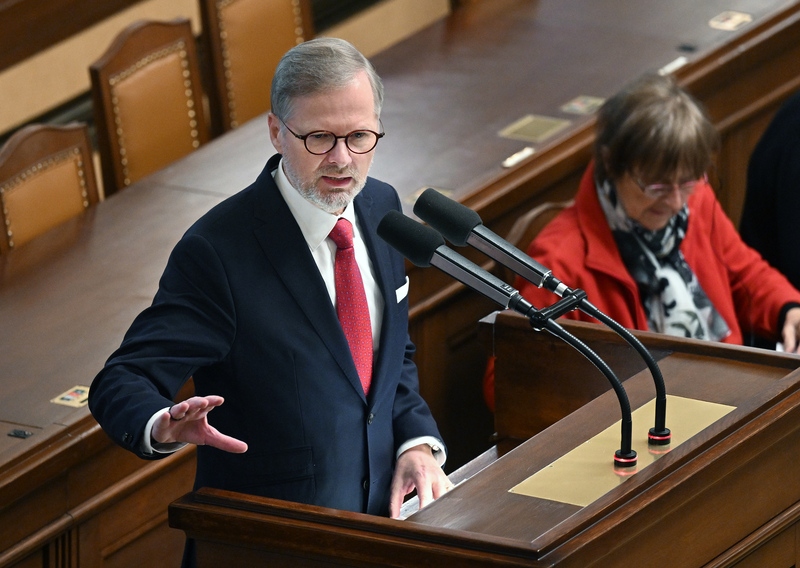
148,101
245,39
526,227
46,177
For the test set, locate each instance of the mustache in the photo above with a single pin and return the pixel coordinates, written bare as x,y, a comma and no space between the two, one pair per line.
334,171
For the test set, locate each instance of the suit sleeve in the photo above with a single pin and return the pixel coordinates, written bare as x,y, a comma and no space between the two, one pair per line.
191,323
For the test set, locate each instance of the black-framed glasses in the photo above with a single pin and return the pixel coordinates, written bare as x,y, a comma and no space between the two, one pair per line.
656,190
321,142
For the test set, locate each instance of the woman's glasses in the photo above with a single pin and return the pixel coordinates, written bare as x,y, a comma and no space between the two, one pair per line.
656,190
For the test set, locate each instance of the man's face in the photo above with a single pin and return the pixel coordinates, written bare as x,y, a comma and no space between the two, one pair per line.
330,181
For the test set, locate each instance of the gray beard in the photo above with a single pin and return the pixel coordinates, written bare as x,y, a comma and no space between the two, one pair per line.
331,203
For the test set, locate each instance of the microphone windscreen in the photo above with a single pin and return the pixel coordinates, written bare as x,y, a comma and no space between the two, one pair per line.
452,219
413,240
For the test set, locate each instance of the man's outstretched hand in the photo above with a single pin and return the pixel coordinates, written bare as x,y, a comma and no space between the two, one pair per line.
187,422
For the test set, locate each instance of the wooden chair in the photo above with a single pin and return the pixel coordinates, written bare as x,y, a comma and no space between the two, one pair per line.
526,227
46,177
148,101
244,41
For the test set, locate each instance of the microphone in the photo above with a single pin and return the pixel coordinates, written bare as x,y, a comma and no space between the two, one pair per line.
425,247
461,226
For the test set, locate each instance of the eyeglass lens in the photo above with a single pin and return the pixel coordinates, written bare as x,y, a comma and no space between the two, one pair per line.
659,189
359,141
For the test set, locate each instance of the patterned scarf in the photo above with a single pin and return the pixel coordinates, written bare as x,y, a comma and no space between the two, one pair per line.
673,299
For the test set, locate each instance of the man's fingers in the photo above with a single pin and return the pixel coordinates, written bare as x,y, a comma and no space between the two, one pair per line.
194,408
396,497
163,428
176,412
226,443
790,339
424,493
441,488
394,510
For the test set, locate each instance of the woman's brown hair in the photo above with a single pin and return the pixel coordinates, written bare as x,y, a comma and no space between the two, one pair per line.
655,130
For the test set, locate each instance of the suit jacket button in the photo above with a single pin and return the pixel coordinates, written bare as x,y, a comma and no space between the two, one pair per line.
365,484
370,418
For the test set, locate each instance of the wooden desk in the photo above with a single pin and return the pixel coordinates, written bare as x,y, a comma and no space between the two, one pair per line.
453,87
66,299
42,24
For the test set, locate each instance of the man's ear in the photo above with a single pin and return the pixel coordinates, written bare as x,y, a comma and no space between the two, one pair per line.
274,124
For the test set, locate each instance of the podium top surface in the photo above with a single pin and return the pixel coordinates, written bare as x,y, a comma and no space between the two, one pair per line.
751,381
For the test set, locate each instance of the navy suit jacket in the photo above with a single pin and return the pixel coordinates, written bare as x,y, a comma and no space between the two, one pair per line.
242,308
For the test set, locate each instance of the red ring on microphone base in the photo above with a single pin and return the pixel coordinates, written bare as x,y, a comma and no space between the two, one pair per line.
625,459
659,437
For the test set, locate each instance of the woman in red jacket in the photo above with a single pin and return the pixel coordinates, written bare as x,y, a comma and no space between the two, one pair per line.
647,239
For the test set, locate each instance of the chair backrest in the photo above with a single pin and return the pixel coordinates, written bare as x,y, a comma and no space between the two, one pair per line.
46,177
148,101
527,226
245,40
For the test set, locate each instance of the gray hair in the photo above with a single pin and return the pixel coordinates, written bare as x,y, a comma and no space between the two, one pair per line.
318,66
655,129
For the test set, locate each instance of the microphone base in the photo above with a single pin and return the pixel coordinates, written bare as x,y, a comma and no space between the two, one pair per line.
625,459
659,437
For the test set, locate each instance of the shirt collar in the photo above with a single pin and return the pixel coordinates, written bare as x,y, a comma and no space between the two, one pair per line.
314,223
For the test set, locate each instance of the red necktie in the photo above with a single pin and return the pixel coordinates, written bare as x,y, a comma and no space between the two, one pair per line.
351,301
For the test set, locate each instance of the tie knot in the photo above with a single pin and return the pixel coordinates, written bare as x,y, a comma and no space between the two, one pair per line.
342,234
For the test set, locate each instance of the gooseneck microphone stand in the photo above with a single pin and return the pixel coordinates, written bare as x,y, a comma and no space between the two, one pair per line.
424,247
544,318
463,226
659,434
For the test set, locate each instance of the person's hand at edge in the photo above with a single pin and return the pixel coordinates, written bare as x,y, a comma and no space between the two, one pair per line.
417,469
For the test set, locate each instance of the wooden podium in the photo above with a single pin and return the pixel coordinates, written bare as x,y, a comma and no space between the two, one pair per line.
727,496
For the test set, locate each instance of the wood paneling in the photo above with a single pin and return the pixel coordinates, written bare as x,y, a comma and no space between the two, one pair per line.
30,26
